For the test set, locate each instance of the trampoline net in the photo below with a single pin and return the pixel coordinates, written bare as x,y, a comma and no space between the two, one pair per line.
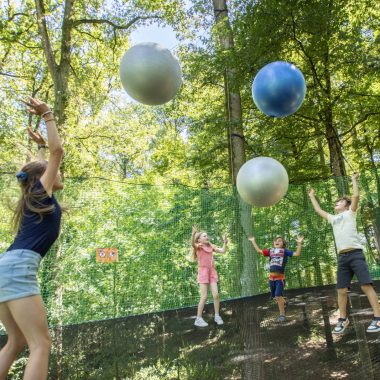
95,308
150,226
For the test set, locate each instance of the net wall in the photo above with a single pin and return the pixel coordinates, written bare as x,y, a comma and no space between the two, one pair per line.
151,228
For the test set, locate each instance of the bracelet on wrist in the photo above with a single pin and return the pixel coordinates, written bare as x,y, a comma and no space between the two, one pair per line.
46,113
52,119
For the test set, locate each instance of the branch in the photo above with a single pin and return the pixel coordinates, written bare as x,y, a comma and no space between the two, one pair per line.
362,120
42,28
15,41
14,76
306,117
300,44
16,37
84,146
212,83
93,136
115,26
90,35
6,53
365,117
18,14
363,94
67,25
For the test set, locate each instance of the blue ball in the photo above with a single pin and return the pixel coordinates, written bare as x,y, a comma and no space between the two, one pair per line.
279,89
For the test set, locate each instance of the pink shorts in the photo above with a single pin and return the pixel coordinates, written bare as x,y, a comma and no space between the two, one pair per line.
207,275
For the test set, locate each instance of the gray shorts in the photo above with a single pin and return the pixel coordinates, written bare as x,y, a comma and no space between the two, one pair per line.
349,264
18,274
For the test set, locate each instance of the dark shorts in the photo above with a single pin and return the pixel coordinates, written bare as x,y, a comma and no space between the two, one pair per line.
277,288
349,264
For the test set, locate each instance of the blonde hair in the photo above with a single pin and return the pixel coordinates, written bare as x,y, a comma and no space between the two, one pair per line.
30,198
194,239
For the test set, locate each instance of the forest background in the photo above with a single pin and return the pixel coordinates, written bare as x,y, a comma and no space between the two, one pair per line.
138,177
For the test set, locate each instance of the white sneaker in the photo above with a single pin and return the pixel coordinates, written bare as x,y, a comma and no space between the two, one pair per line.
218,320
341,326
200,322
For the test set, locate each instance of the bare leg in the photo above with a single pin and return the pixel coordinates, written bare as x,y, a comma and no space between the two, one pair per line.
342,302
215,295
281,305
30,316
15,344
372,298
203,288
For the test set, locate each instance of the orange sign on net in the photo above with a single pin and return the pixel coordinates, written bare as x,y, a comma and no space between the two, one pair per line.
107,255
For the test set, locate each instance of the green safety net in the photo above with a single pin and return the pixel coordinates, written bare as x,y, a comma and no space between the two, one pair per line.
150,226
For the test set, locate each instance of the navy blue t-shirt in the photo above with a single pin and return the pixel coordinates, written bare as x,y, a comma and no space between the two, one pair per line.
36,234
278,258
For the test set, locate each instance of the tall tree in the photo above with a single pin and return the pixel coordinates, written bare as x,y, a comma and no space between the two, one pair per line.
235,135
233,108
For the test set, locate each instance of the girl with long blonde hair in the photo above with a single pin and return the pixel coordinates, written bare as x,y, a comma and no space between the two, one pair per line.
202,251
36,221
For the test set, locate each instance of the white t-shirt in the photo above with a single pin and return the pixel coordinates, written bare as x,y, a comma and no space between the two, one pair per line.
344,229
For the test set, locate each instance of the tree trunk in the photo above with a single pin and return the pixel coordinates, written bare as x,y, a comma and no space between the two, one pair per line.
337,165
233,106
59,72
233,114
321,153
60,76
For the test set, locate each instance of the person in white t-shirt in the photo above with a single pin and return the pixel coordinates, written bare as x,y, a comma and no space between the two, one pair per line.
351,260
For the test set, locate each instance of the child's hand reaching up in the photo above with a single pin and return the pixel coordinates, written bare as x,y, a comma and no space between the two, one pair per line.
355,176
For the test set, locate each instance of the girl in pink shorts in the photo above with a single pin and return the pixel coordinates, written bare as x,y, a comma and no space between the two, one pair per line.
203,253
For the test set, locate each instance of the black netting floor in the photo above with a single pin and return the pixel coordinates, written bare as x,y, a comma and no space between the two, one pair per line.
250,345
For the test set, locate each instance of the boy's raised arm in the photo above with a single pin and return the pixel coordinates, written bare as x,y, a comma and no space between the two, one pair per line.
355,192
315,204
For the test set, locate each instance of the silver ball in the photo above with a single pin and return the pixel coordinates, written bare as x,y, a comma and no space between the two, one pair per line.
150,74
262,181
